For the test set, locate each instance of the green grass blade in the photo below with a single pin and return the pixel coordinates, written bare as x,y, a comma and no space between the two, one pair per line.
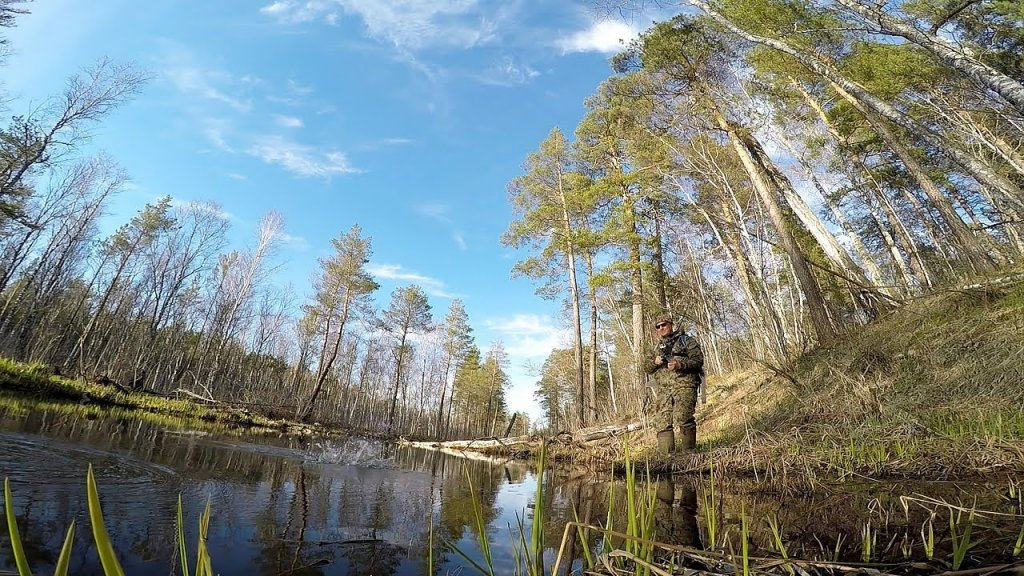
12,528
451,546
111,567
583,539
182,551
203,564
64,560
537,527
481,527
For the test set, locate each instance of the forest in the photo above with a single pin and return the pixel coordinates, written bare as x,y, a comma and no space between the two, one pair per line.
773,173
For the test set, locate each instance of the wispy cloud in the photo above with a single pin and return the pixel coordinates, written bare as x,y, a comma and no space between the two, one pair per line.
507,72
300,159
409,24
215,130
385,142
434,211
236,176
288,121
528,336
605,36
459,240
431,286
203,206
439,212
198,81
297,243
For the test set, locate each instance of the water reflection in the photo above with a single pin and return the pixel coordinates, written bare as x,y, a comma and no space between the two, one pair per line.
353,507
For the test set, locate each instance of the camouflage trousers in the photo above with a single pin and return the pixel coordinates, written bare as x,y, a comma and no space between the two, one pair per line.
675,402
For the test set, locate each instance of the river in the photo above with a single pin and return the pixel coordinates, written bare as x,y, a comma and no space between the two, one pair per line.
352,506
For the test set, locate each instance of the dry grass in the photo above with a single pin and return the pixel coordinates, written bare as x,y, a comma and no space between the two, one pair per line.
932,390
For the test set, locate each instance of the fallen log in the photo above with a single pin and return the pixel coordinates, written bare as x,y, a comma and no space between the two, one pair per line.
583,436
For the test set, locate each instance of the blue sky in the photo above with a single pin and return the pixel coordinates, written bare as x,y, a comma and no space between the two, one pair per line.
407,117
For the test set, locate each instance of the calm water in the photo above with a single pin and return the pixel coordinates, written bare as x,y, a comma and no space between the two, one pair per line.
292,506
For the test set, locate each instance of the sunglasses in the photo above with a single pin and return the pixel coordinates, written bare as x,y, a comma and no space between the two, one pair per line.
660,325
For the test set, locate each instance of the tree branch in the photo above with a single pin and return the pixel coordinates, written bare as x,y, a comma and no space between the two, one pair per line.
965,4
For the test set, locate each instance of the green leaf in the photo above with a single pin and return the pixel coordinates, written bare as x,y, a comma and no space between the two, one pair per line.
111,567
65,552
203,564
182,552
12,527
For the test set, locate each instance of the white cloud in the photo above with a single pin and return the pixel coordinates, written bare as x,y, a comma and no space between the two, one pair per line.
198,82
508,73
528,339
606,36
384,142
300,159
300,11
288,121
297,243
215,129
409,24
431,286
236,176
528,336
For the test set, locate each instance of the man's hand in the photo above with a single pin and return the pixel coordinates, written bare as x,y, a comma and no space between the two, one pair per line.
673,365
659,360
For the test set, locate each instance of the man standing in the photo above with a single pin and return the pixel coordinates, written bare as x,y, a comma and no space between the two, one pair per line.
677,365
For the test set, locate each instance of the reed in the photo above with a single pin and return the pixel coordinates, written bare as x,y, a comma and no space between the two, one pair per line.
744,541
960,533
710,506
868,540
928,537
1018,546
101,538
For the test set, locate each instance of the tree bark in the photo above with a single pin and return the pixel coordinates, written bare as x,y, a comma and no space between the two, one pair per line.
947,52
970,250
976,168
747,150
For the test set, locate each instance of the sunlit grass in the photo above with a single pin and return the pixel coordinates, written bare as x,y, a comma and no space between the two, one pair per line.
35,381
101,538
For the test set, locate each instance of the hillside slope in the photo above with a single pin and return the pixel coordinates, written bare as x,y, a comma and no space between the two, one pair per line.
935,388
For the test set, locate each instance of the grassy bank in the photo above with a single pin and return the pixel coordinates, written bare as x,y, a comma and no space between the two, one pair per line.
36,382
933,389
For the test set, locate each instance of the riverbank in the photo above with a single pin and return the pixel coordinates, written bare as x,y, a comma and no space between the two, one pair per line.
34,381
931,390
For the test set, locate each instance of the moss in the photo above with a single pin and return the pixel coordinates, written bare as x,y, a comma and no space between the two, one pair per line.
35,382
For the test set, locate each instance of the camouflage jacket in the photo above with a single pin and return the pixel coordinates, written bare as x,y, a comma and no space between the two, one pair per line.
680,348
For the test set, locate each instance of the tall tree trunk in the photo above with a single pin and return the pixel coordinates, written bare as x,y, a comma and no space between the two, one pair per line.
968,246
574,296
983,173
746,148
946,51
327,358
592,361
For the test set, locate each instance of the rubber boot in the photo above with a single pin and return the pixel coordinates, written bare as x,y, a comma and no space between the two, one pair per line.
666,441
689,439
666,491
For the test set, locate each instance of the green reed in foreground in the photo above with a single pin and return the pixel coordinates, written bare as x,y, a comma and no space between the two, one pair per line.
101,538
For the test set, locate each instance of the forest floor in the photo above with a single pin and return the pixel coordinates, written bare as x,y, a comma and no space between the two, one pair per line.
932,389
36,382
